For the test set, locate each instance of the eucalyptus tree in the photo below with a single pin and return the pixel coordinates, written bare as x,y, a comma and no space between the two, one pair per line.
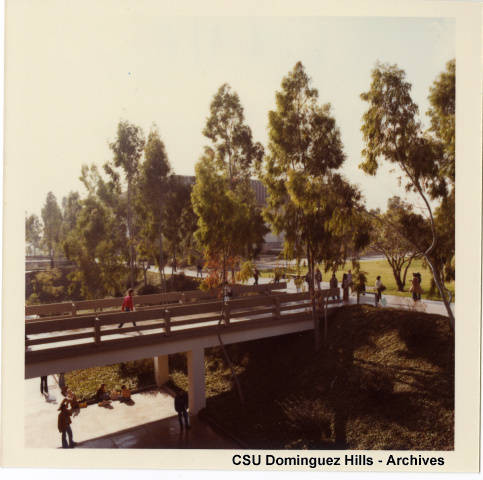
313,205
393,133
33,231
385,240
229,220
152,195
71,206
52,221
181,226
127,150
96,245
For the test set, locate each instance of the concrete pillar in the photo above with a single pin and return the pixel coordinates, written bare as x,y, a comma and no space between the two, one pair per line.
161,369
196,379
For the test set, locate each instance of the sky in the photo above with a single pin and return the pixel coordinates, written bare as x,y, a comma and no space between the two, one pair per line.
79,71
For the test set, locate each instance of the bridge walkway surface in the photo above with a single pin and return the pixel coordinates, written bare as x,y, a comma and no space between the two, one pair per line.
150,423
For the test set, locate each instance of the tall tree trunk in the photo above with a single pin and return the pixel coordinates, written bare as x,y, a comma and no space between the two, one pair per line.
129,228
406,270
442,291
315,318
162,279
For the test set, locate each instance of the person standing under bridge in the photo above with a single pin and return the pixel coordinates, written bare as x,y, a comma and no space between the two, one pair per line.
127,305
181,405
63,424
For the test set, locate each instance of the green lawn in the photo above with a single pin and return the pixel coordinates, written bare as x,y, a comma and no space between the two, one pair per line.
373,268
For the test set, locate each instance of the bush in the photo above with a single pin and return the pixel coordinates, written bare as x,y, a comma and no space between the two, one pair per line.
148,289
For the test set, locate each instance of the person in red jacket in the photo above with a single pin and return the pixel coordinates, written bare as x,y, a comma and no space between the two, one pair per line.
127,305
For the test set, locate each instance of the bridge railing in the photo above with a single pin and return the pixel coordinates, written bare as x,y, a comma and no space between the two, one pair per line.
75,308
54,338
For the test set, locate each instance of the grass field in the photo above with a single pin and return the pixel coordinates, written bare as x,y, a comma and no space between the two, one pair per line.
373,268
386,381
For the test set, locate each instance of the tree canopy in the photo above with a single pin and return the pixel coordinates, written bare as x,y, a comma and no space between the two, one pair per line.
392,132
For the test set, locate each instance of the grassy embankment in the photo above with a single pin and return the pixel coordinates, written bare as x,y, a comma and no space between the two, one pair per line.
386,381
373,268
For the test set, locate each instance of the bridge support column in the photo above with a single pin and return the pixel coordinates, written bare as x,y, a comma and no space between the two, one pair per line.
161,369
196,379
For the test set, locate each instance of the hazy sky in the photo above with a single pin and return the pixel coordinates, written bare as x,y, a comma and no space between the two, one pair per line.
89,69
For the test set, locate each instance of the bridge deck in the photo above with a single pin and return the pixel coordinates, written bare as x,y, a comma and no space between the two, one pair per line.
53,340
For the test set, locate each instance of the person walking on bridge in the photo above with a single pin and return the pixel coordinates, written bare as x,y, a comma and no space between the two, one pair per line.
127,305
318,277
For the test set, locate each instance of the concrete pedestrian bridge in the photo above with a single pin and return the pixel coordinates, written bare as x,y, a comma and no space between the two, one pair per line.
66,339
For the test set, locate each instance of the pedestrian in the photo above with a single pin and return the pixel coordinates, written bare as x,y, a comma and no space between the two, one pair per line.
308,279
199,268
256,274
379,288
102,397
181,405
350,282
128,305
318,277
420,284
63,424
44,388
345,288
334,284
416,287
74,404
125,395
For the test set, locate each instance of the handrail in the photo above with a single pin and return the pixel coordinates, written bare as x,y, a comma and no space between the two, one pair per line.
161,322
72,308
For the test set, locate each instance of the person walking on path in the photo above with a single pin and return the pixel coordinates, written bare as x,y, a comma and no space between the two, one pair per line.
44,388
345,287
199,272
181,405
63,424
318,277
127,305
350,282
379,288
334,284
420,284
416,287
256,274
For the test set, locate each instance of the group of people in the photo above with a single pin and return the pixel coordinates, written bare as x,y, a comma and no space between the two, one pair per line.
105,399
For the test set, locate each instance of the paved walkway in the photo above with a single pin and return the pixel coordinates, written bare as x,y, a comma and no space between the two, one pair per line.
150,423
394,301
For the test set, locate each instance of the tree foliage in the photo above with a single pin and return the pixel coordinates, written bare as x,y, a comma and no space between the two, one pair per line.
312,204
229,221
33,232
151,200
393,133
52,220
387,241
96,246
127,150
